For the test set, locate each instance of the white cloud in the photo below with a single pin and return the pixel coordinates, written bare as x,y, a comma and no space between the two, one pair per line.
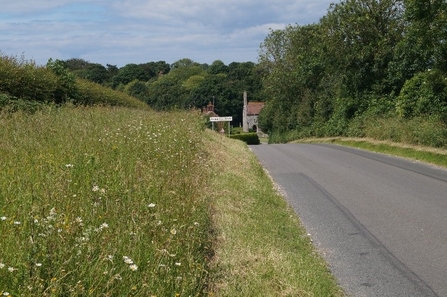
137,31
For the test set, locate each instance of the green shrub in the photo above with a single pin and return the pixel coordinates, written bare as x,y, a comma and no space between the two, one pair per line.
25,80
12,104
424,94
426,131
66,82
249,138
90,93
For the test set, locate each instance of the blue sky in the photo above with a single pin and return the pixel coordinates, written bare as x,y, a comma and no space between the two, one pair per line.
120,32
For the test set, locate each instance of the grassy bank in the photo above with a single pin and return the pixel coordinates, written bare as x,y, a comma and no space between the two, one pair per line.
102,202
261,248
123,202
431,155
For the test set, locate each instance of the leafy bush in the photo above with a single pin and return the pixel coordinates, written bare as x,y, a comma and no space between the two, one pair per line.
91,93
427,131
249,138
12,104
66,82
25,80
424,94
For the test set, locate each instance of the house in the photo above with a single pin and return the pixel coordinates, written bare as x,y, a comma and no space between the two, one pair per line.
250,115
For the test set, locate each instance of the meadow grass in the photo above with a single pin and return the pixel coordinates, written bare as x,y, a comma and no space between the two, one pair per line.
102,202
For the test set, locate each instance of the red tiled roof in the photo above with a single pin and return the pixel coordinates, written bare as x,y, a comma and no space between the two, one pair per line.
254,108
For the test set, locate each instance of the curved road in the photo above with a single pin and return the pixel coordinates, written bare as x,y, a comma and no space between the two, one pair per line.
380,222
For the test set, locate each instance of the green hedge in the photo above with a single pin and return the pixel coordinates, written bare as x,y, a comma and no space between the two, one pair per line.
27,86
249,138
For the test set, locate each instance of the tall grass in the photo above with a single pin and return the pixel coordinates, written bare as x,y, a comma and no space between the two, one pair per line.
102,202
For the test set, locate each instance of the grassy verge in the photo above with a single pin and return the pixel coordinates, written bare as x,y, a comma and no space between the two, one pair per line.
102,202
261,248
121,202
435,156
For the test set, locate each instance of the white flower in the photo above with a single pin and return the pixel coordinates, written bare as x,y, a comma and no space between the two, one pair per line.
11,269
178,264
69,165
17,223
2,265
127,260
104,225
151,205
3,218
78,220
95,188
38,264
133,267
5,294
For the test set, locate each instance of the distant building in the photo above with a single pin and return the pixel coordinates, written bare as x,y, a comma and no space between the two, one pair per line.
209,110
250,115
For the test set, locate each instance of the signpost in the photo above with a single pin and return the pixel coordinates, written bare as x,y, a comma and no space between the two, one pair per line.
222,119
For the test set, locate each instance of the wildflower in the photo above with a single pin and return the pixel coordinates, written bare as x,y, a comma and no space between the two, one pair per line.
102,190
78,220
151,205
38,264
3,218
69,165
2,265
17,223
173,231
11,269
103,226
178,264
95,189
117,277
127,260
133,267
5,294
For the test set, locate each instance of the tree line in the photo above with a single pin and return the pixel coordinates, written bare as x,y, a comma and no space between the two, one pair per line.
364,60
184,84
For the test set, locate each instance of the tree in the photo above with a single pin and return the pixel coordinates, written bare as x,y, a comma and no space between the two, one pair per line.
423,46
137,89
218,67
95,73
129,73
361,37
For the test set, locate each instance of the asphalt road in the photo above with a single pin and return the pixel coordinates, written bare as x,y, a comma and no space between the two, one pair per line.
380,222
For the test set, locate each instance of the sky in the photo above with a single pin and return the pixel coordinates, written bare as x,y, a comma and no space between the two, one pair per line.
120,32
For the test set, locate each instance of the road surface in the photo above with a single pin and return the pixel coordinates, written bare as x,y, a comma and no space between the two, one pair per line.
380,222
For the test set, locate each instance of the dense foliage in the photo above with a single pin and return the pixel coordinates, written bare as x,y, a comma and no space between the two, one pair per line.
248,138
27,86
363,61
184,84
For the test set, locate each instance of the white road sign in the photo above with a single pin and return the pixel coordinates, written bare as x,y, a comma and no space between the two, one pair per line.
221,119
